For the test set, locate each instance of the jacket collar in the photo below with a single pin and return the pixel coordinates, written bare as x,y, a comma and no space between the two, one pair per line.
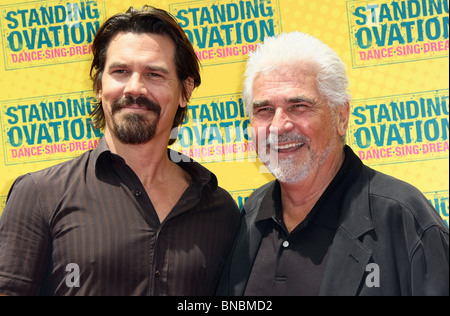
348,253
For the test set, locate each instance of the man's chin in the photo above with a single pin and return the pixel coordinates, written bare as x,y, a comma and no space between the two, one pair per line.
287,171
135,136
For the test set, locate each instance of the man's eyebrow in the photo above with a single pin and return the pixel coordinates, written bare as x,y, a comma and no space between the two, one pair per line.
117,65
148,67
301,99
157,69
293,100
260,104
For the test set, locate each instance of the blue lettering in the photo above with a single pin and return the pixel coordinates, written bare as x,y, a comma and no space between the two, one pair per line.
205,17
362,118
77,129
15,41
44,134
363,138
10,16
414,9
383,114
218,113
205,114
80,38
395,34
30,136
182,19
200,135
431,129
34,113
232,12
250,32
44,39
232,109
215,37
34,18
214,134
379,137
364,37
380,39
385,13
185,141
194,15
433,32
15,136
60,109
14,118
394,135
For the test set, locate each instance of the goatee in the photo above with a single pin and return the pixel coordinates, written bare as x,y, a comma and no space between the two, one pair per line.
135,128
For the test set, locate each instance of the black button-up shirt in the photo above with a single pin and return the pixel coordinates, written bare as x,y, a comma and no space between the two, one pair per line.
294,263
91,217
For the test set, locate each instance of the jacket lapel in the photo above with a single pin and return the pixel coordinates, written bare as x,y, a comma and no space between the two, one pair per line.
348,257
346,266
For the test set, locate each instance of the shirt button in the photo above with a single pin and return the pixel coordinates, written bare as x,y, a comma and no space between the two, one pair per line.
285,244
157,274
137,193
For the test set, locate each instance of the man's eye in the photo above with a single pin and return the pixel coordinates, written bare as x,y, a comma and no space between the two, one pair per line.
153,75
299,107
263,112
119,71
263,109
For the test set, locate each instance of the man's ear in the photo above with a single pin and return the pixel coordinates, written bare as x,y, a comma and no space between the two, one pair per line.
99,95
343,116
189,88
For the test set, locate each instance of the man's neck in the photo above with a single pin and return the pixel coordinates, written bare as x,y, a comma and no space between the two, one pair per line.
149,161
298,199
163,180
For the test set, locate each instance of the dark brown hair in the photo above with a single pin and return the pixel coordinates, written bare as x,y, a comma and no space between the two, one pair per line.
146,20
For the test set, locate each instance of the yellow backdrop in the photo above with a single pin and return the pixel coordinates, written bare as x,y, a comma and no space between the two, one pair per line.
396,53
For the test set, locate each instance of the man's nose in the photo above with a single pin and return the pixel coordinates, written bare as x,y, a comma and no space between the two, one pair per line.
135,86
281,122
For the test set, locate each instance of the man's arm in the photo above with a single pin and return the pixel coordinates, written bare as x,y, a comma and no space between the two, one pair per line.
430,265
24,243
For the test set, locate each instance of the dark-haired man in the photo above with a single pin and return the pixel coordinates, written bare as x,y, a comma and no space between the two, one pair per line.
124,219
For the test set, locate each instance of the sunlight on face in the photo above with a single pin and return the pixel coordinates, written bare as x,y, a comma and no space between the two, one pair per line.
295,127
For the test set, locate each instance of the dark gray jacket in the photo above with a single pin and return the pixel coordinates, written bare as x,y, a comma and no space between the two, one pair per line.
383,221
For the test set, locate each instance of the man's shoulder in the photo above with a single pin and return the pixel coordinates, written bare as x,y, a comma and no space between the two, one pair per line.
389,187
60,170
403,199
224,195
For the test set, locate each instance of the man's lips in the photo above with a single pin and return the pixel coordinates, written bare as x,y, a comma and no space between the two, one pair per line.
286,148
136,107
138,104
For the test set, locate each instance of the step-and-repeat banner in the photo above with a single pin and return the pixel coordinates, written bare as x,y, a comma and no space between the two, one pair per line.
397,54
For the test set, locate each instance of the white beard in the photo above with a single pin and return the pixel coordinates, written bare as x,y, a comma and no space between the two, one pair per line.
289,170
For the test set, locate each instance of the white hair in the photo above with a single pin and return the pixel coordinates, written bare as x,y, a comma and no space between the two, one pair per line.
296,48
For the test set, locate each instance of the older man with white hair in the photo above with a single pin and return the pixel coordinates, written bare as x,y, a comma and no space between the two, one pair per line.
328,224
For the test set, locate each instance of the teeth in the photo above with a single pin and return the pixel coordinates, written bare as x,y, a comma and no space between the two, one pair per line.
288,146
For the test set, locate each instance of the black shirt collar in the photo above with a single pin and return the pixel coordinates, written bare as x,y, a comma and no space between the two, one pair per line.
198,173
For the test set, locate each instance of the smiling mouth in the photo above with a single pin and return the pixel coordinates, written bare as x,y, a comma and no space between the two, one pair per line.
287,148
